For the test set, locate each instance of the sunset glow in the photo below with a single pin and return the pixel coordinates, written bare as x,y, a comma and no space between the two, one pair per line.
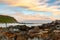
31,9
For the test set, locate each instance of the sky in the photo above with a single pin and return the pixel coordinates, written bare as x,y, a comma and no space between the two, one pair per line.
31,9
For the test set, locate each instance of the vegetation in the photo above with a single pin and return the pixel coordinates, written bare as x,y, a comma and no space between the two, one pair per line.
7,19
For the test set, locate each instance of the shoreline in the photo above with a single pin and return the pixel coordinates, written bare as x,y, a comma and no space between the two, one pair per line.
22,32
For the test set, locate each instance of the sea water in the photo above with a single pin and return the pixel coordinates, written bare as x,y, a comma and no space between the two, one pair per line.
13,24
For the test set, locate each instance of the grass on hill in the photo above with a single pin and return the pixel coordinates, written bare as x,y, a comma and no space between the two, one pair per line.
7,19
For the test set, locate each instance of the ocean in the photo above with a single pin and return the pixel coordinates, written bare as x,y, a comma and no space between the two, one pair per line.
27,23
13,24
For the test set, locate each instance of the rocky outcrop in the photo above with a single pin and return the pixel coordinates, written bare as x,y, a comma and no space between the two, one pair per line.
22,32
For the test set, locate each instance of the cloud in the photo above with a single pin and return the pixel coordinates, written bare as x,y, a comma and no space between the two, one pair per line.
36,5
21,17
57,2
56,13
39,5
20,2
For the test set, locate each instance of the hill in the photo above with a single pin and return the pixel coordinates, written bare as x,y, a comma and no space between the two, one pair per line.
7,19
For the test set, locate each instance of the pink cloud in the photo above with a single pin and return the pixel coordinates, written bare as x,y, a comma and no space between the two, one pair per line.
21,17
36,6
